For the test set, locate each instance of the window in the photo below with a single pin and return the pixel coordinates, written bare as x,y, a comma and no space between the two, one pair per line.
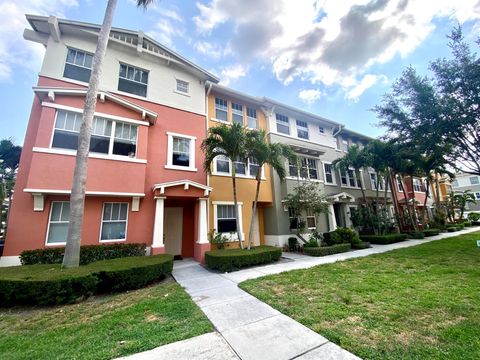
474,180
181,152
373,181
182,86
226,221
251,118
311,221
455,183
240,167
221,109
292,168
399,184
302,129
312,168
321,130
237,113
418,185
58,224
78,65
345,145
133,80
477,196
329,175
282,124
222,164
114,222
253,167
349,178
308,169
293,220
67,128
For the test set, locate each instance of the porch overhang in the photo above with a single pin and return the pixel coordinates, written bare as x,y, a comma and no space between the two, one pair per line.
342,197
160,188
303,150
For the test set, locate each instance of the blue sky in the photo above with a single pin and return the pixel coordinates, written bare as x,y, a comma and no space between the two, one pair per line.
330,57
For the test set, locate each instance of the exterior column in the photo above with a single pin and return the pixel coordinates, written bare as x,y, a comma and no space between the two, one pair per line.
157,243
332,222
202,222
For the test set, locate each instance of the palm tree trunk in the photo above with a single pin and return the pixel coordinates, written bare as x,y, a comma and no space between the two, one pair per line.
437,190
235,204
361,186
254,211
427,193
414,224
392,178
77,197
414,205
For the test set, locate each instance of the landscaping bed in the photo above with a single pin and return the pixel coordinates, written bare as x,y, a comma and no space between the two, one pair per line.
327,250
102,327
228,260
414,303
48,284
384,239
431,232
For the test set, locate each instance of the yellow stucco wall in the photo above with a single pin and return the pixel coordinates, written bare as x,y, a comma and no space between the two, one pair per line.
222,185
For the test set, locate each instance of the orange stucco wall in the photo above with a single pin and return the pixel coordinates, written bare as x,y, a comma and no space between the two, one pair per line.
39,170
222,185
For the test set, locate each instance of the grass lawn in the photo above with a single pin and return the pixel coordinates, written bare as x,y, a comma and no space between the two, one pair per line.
102,327
421,302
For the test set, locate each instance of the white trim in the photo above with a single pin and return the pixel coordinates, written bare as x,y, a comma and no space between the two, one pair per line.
220,121
181,135
191,149
182,168
92,193
48,225
302,140
226,203
234,236
185,183
101,223
98,114
90,155
181,93
334,174
239,176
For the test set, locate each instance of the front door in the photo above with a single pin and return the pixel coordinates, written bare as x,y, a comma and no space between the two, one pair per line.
173,230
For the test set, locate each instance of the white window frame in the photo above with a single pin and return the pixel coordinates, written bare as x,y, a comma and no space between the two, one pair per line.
334,178
301,127
192,163
454,183
310,215
80,66
321,129
373,186
347,176
56,222
237,113
220,108
186,88
250,118
234,236
418,185
247,170
473,182
477,195
134,81
101,222
399,184
282,123
300,158
345,145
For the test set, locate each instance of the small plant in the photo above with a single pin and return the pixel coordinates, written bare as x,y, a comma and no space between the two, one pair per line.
292,243
343,235
312,242
217,239
473,216
417,235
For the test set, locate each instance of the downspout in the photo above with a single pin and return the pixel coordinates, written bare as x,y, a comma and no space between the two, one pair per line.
341,127
206,132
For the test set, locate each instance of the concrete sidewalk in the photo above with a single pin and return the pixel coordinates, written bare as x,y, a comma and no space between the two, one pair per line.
248,328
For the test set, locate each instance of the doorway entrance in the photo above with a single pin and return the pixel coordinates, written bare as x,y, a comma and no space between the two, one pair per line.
173,233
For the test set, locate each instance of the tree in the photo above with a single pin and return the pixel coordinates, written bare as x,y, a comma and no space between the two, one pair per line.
228,141
9,159
463,199
77,196
263,152
305,198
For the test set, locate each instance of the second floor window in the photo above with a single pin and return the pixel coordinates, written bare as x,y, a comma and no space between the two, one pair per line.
282,124
348,178
474,180
67,128
78,65
308,169
222,164
302,129
418,185
329,176
251,118
181,152
182,86
221,109
373,180
133,80
237,113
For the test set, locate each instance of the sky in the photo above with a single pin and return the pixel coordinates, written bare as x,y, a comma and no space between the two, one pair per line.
334,58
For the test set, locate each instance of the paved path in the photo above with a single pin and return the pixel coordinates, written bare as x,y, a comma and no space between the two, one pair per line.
248,328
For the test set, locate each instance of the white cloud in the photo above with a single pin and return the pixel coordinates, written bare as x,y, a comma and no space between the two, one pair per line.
232,73
354,93
212,50
14,50
329,42
309,96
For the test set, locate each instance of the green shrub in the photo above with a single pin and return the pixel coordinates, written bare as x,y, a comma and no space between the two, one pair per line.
452,229
417,235
384,239
467,223
341,235
431,232
312,242
292,243
327,250
473,216
460,226
217,239
49,284
475,223
362,245
88,253
233,259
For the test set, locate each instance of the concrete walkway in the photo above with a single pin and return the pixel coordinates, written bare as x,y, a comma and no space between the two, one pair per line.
248,328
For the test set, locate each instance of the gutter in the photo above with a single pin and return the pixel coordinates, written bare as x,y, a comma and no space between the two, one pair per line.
339,130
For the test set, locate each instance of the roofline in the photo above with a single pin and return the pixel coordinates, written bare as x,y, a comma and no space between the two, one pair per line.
357,134
232,92
31,18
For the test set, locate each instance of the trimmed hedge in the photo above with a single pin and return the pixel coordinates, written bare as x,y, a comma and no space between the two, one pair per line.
50,284
452,229
327,250
88,253
417,235
361,245
233,259
431,232
384,239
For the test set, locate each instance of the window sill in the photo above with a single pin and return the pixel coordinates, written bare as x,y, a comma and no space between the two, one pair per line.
238,176
331,184
182,168
114,240
219,121
90,155
56,244
231,237
181,93
303,179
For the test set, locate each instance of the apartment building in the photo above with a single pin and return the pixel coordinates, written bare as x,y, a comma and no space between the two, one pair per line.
145,179
468,182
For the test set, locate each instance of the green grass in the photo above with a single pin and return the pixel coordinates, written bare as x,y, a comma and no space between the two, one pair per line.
103,327
421,302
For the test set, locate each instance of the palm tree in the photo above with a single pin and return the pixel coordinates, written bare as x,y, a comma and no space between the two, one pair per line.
77,196
265,153
230,142
463,199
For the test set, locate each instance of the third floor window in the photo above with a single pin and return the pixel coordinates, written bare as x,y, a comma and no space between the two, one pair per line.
237,113
78,65
282,124
221,109
302,129
133,80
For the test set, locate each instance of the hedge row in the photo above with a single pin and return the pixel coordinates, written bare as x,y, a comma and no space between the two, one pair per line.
228,260
88,253
384,239
327,250
49,284
431,232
